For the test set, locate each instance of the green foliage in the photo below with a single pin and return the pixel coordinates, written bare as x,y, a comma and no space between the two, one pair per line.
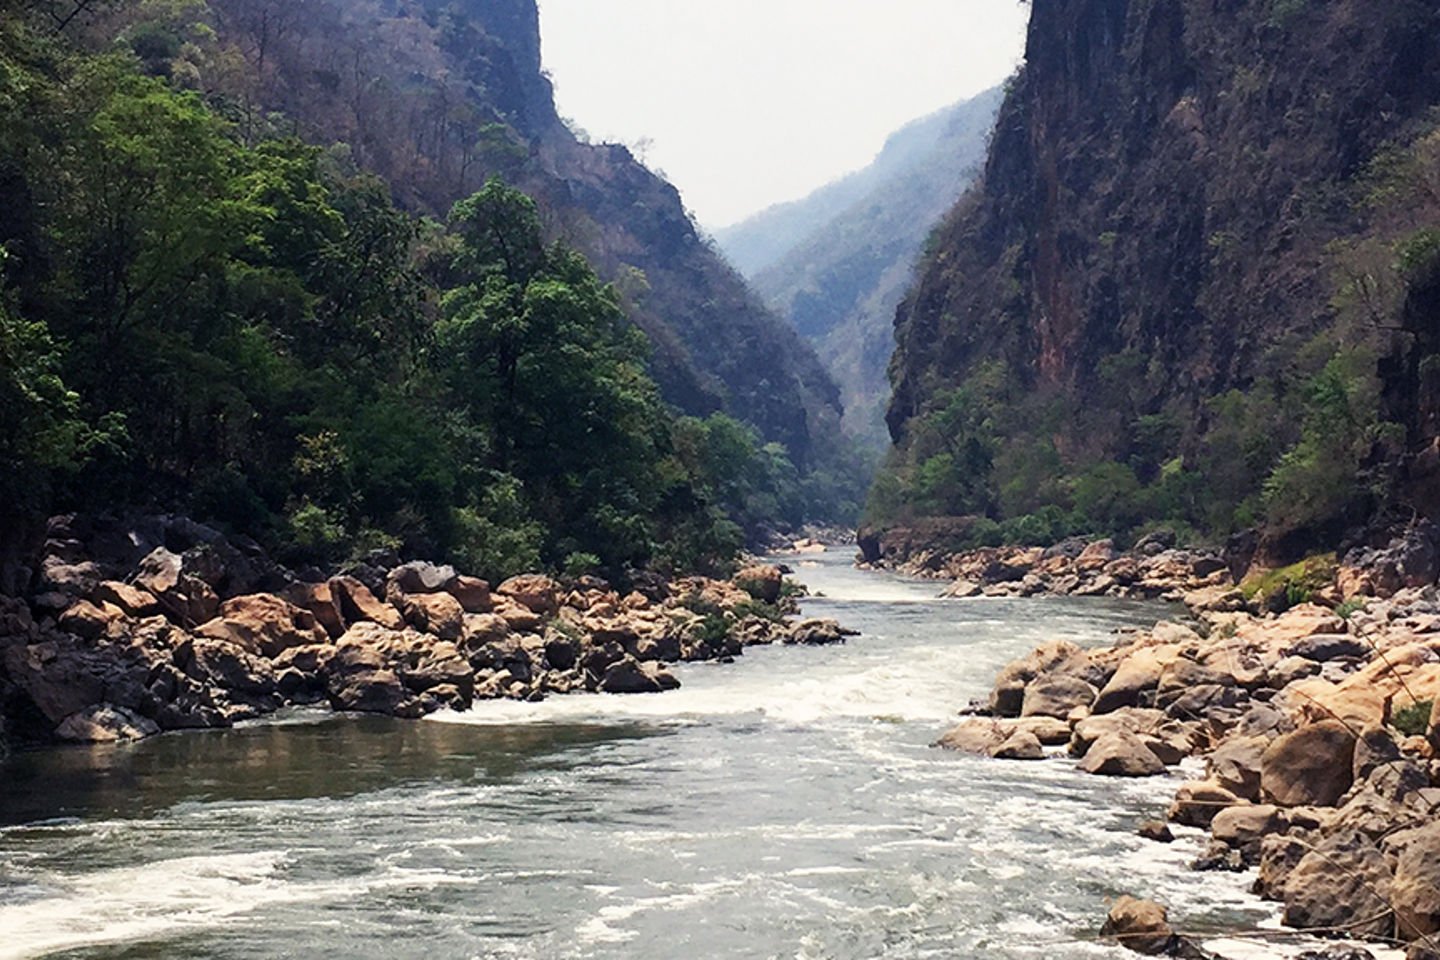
1414,720
1281,589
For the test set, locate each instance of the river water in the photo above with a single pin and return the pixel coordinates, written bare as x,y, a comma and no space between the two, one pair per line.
786,806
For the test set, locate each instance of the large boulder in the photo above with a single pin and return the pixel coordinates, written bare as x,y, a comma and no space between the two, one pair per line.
629,675
186,598
1235,765
1244,827
1311,767
1056,696
1342,886
1121,754
1137,675
1197,803
317,599
369,691
977,735
263,624
473,594
134,601
230,667
816,633
435,613
418,577
105,723
762,581
357,604
1053,659
536,593
1415,893
1141,926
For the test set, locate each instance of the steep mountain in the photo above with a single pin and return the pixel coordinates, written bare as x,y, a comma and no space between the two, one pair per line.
437,96
836,263
1197,283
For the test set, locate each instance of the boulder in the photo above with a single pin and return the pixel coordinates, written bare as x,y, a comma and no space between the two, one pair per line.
629,675
105,723
1415,892
1060,657
1121,754
264,624
1280,854
473,594
1050,731
434,613
92,621
1235,765
1130,720
230,667
1157,831
1141,926
1311,767
134,601
317,599
1138,675
357,604
187,599
1243,827
1020,745
517,616
817,633
1056,696
1197,803
1341,886
1375,748
418,577
367,691
535,592
978,735
762,581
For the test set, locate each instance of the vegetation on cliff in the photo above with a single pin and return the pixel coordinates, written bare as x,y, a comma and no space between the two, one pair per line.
200,317
1142,315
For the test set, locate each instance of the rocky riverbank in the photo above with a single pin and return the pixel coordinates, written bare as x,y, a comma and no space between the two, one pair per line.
1309,739
130,628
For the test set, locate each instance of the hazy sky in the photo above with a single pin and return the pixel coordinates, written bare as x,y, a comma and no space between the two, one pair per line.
750,102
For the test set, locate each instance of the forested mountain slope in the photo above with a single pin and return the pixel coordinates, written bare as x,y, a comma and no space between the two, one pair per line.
438,95
1197,284
837,262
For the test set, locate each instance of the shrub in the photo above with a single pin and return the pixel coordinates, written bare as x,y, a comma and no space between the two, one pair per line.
1414,720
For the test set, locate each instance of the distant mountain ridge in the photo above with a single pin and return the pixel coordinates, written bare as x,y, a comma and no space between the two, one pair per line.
836,263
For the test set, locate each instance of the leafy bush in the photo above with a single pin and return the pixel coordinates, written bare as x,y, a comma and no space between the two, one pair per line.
1414,720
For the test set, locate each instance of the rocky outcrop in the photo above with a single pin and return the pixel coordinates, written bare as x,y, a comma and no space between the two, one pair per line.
122,645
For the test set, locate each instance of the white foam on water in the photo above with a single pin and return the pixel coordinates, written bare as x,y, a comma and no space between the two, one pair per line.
170,898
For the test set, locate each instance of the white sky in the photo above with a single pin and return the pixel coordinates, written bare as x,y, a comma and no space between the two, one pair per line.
751,102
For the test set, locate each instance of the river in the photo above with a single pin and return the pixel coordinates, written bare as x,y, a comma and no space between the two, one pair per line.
786,806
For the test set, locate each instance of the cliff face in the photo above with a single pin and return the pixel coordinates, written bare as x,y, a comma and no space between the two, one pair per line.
836,263
438,96
1166,193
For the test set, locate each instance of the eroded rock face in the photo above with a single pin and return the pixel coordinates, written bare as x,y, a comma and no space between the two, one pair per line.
1415,892
105,723
1343,884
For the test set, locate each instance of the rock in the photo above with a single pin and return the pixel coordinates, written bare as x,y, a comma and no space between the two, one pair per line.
185,598
979,736
1415,892
1129,720
1056,697
134,601
517,616
1244,827
105,723
230,667
536,593
1156,830
264,624
92,621
1138,675
1096,556
367,691
1280,854
818,633
1218,857
1139,925
761,581
357,604
1342,886
1121,754
1324,647
1060,657
317,599
1198,802
435,613
418,577
473,594
1311,767
631,676
1376,747
1020,745
1337,953
561,652
1048,730
1235,765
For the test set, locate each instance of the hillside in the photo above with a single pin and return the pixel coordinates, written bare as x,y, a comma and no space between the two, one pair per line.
438,96
1196,283
836,263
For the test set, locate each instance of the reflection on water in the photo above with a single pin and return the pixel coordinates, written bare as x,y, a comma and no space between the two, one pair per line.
328,756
